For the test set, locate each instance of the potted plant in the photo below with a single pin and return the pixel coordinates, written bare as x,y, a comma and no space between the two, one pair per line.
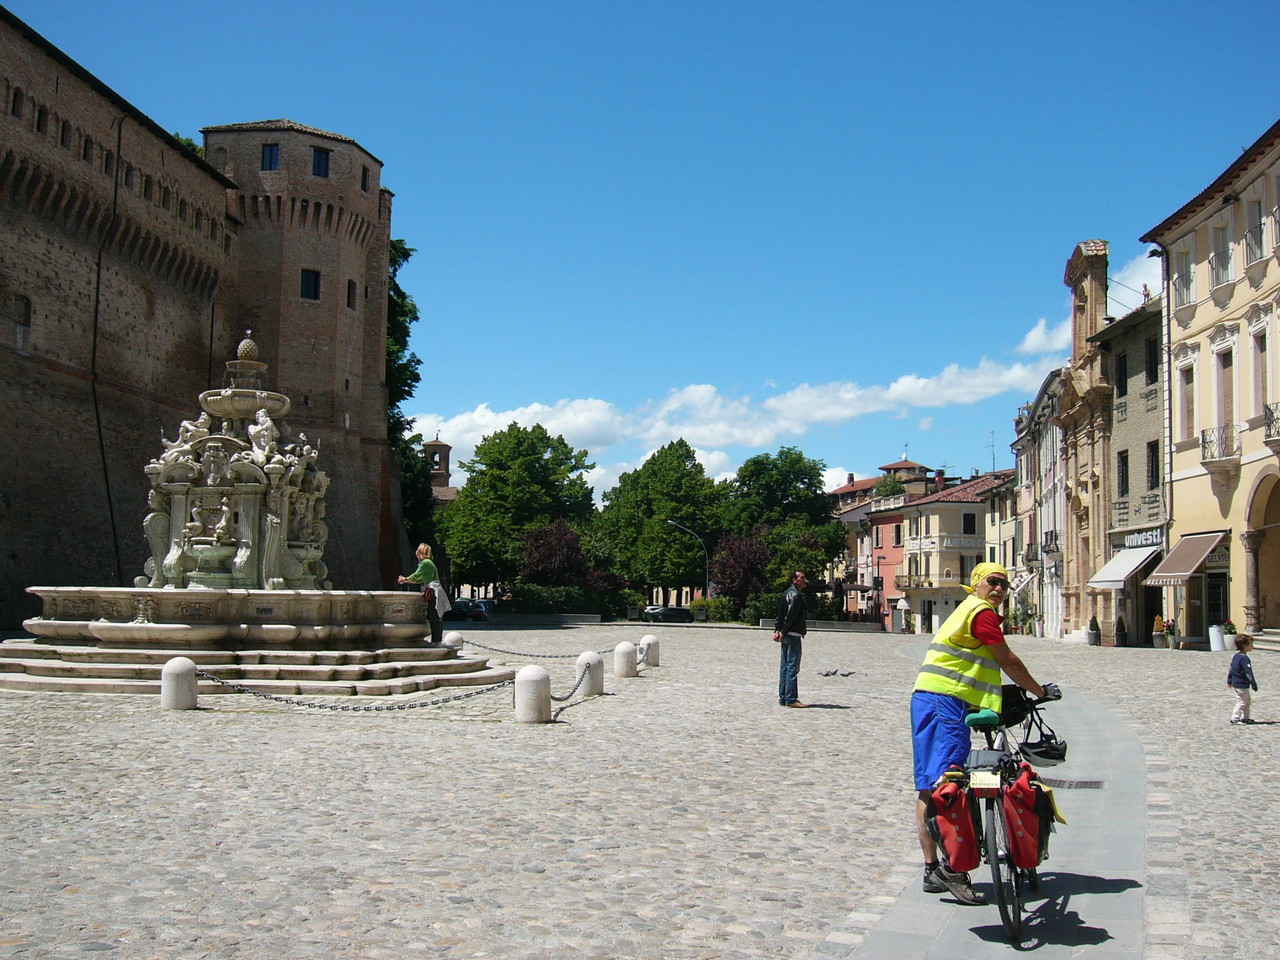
1171,633
1228,628
1122,632
1094,632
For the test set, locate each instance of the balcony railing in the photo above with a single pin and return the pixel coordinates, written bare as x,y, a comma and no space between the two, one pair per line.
1049,542
1253,243
1220,267
1271,426
1031,553
1220,443
1182,290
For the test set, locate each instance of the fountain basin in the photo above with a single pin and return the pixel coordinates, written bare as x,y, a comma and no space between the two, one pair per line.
194,618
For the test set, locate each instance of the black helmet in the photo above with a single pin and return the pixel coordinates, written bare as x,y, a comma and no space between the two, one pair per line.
1045,752
1049,749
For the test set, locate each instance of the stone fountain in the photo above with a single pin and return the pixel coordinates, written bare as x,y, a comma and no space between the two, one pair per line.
237,533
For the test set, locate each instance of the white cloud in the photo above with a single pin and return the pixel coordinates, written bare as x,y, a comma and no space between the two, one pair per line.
834,477
715,423
1040,339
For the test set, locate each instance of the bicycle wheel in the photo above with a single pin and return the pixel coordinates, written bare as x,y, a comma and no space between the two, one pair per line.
1006,877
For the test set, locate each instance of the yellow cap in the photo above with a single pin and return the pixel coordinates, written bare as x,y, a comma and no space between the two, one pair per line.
981,572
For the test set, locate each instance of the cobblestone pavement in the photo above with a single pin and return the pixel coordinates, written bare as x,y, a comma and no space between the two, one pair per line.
682,815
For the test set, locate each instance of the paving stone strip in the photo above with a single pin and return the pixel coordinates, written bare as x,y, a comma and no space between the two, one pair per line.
683,814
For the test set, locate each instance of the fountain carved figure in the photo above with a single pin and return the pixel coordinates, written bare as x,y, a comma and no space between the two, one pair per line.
236,531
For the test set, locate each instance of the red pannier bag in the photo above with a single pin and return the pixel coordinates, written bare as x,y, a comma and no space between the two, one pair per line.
1028,835
953,825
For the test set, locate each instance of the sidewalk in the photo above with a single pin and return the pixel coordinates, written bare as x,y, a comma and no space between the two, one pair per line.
1091,887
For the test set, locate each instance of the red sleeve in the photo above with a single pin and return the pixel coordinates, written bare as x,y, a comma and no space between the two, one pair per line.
986,627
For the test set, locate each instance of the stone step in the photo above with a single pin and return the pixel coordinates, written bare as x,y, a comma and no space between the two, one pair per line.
12,649
368,688
239,672
1268,640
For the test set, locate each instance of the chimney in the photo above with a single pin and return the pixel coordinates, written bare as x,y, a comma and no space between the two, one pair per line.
851,478
939,481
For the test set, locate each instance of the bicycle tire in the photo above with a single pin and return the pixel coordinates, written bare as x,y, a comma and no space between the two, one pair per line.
1005,877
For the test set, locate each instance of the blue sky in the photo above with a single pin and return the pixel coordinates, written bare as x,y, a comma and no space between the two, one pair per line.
839,226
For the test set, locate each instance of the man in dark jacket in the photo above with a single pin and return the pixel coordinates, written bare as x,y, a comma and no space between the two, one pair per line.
789,631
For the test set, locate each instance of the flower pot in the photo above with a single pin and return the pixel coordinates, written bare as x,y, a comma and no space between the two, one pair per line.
1095,637
1216,639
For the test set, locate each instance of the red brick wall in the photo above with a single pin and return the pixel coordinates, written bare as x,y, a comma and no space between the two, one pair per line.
129,251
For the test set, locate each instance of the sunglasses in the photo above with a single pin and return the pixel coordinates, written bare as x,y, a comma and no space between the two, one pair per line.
997,582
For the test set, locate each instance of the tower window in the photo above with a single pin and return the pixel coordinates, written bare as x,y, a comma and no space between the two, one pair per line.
310,288
18,308
271,156
351,294
364,179
319,162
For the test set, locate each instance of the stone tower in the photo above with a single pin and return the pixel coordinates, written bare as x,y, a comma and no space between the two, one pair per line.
436,453
312,284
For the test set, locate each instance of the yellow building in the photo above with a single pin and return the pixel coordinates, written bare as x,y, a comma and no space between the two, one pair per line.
1221,253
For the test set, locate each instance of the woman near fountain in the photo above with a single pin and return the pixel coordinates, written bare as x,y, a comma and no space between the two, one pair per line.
432,591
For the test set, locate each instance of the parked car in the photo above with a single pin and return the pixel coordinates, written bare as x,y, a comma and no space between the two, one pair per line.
657,613
488,606
464,609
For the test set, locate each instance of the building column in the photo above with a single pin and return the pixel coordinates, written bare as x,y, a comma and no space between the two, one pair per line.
1252,608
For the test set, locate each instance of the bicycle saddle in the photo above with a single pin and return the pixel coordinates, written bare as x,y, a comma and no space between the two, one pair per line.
983,718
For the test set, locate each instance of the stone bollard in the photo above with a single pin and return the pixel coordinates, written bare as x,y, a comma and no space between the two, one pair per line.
592,664
533,695
452,639
178,684
624,660
649,650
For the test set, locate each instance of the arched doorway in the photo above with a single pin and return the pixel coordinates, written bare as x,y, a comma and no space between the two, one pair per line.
1264,517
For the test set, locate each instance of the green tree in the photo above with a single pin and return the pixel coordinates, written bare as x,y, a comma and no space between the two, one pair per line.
888,486
417,499
670,486
797,545
189,144
520,479
401,374
770,489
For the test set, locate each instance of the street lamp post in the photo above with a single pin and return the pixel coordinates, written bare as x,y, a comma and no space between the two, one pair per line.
705,556
880,590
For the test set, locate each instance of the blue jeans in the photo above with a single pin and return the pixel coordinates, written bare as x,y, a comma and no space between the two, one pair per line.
789,668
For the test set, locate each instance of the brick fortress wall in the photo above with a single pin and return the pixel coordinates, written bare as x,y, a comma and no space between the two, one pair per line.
125,284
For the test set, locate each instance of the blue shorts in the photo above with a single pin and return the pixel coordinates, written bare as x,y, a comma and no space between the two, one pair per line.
939,737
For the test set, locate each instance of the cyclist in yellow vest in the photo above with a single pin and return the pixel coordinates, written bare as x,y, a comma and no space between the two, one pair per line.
960,674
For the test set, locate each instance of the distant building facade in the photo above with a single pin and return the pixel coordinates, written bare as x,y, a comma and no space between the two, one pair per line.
1222,267
130,270
1084,416
1041,504
1132,348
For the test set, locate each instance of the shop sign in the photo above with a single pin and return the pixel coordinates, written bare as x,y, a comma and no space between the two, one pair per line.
1220,559
1145,538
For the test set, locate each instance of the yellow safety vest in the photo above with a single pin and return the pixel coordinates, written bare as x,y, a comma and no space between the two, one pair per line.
960,665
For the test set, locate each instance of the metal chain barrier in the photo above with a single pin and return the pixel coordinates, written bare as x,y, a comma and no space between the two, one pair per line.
582,675
357,707
534,656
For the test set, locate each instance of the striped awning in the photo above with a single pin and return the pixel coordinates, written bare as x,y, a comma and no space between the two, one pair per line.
1113,574
1184,560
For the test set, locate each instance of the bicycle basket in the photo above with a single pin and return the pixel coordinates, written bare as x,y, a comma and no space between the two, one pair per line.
1014,705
